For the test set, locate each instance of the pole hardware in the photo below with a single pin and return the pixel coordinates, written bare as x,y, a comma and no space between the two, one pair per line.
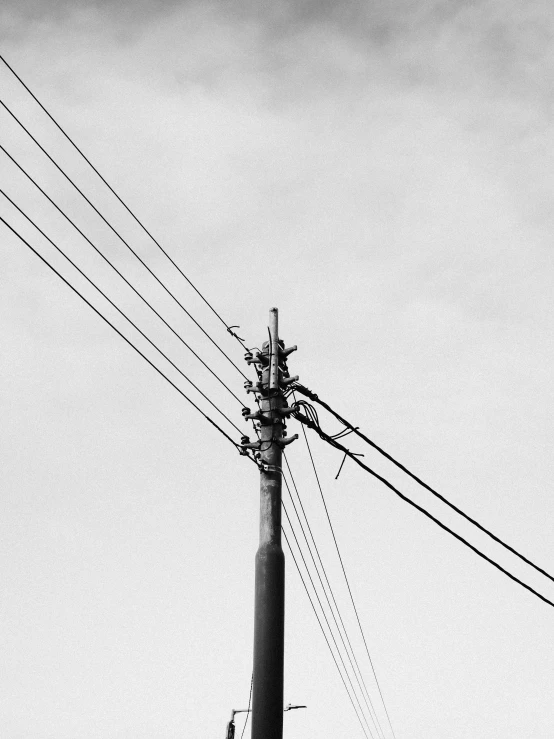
257,358
257,388
251,445
286,352
270,468
261,417
269,610
288,380
285,412
287,440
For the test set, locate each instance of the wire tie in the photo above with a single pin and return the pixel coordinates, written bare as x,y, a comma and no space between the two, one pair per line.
346,454
233,333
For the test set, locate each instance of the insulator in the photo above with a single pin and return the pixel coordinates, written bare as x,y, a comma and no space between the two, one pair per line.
288,440
286,411
244,440
247,385
246,411
288,350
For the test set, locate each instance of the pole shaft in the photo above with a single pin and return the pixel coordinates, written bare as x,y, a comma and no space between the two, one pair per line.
269,607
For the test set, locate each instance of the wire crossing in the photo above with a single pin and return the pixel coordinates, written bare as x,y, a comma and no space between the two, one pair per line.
128,341
131,213
355,430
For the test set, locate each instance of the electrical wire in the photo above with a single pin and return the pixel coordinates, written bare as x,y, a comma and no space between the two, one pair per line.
118,310
249,704
322,629
351,655
146,231
355,430
117,271
346,579
123,241
323,613
426,513
158,370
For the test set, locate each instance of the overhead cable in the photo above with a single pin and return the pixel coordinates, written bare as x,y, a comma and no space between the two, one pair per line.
146,231
249,704
118,272
347,581
322,629
426,513
119,310
359,676
324,614
355,430
123,241
158,370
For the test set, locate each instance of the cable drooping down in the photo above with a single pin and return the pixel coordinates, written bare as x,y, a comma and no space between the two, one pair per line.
344,571
349,428
322,629
362,685
333,442
325,615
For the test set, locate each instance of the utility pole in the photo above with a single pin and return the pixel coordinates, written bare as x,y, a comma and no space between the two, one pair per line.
269,606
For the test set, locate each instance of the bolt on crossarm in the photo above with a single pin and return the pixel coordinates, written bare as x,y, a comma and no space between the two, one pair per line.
269,606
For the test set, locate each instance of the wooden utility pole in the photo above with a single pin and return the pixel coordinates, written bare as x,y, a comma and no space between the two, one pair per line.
269,607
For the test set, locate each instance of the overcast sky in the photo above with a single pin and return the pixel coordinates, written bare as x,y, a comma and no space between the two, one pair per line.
383,173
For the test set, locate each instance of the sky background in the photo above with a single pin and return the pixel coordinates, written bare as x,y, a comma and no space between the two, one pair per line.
383,173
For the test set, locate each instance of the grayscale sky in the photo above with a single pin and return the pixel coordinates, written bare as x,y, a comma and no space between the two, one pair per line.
383,173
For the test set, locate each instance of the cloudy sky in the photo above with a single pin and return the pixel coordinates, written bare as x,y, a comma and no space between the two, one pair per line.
381,172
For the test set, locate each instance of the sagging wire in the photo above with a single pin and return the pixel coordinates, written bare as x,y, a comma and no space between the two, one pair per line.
304,419
355,429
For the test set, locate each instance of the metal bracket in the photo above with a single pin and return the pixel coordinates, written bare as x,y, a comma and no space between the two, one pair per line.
270,468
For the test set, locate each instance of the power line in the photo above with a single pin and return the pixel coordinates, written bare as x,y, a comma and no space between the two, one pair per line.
324,614
248,710
118,309
347,582
58,126
355,430
117,271
43,259
346,451
358,675
322,629
123,241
